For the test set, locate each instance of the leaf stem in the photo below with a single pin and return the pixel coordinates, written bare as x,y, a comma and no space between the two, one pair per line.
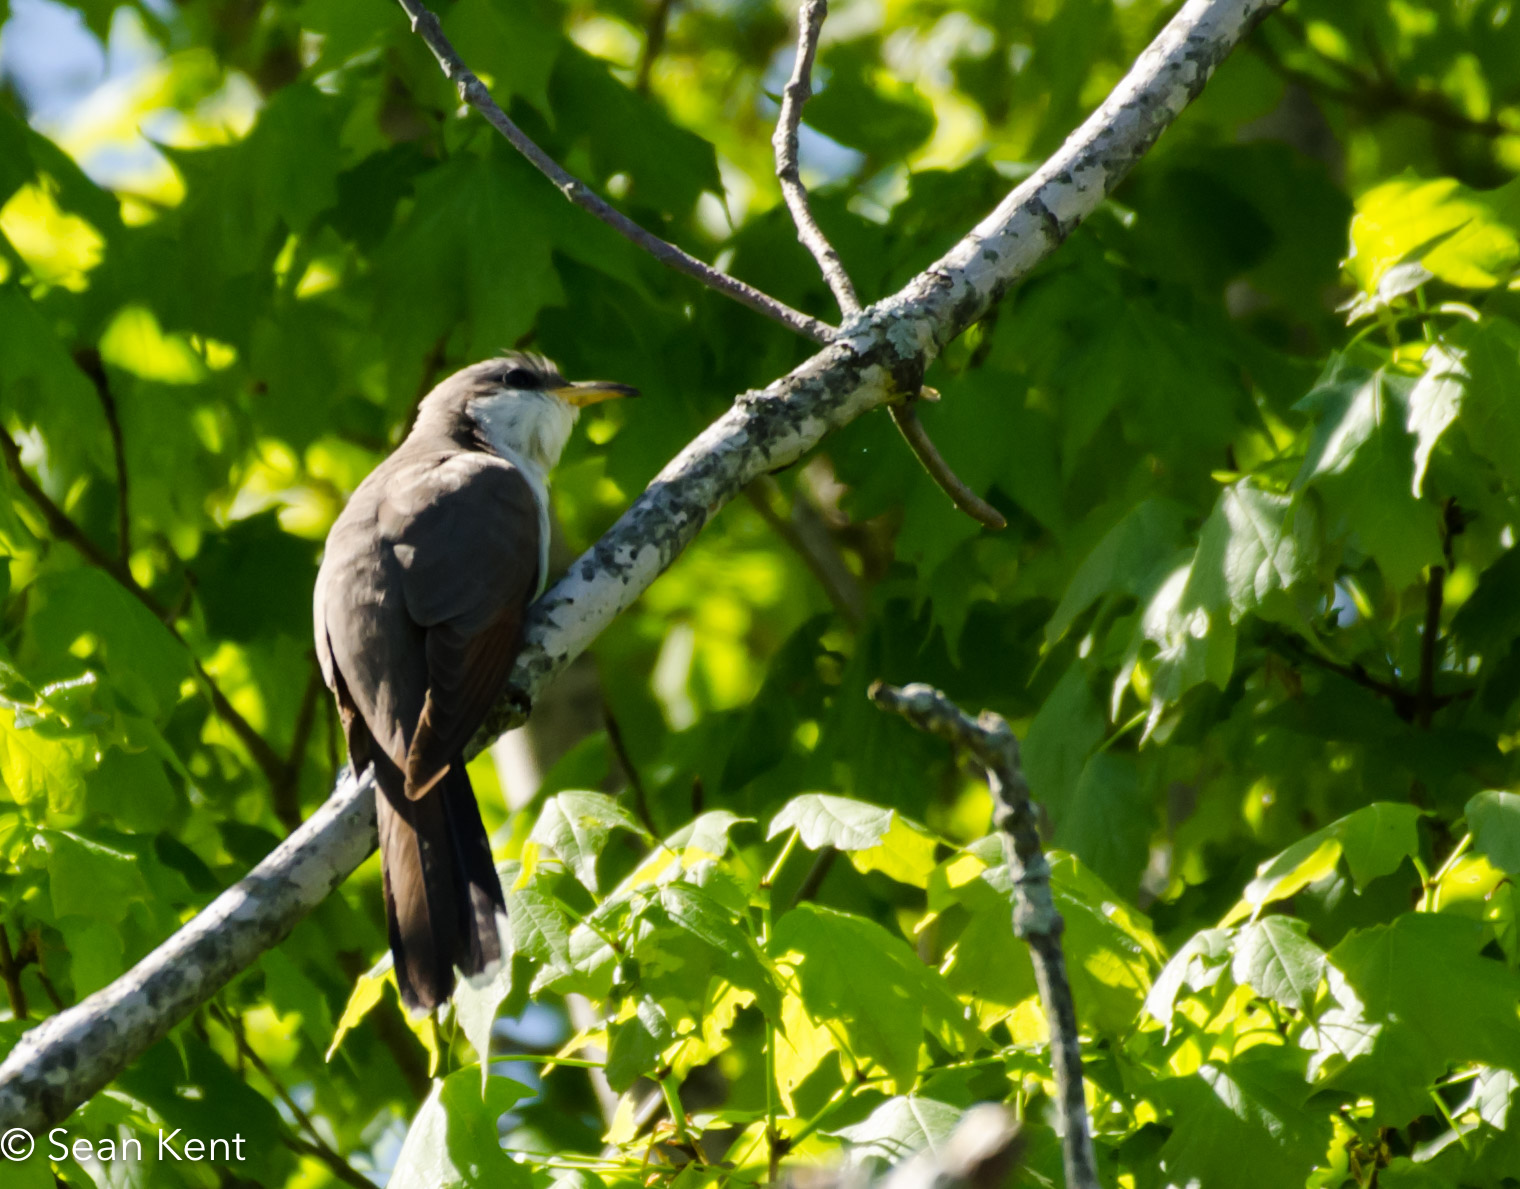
666,1081
1431,901
551,1059
772,1135
786,853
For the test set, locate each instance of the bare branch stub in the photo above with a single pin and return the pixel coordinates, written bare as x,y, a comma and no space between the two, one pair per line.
905,417
475,93
991,742
799,90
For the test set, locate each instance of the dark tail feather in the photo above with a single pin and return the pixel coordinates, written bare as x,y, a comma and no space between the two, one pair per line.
442,895
421,912
477,888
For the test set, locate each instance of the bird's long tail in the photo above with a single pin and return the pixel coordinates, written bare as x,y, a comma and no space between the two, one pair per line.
443,901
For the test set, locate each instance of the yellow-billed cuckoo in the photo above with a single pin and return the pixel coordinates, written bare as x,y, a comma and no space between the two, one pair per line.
419,608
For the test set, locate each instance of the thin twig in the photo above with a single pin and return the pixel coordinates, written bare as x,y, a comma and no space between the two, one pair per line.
1425,695
29,953
90,363
1377,96
654,42
905,417
475,93
10,974
316,1146
1405,704
630,769
64,529
284,795
339,1167
815,876
809,539
270,763
799,89
1035,919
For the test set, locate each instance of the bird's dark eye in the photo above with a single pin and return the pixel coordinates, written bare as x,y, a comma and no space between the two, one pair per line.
518,377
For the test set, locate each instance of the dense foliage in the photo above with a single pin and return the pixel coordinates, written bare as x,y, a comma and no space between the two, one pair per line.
1255,427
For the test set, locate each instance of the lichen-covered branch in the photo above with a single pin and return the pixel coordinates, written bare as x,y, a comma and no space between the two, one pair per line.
880,354
1035,918
70,1056
475,93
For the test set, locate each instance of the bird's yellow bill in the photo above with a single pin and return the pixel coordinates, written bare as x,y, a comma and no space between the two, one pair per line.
591,392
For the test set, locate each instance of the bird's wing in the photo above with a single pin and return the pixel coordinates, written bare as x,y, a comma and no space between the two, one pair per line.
467,541
373,657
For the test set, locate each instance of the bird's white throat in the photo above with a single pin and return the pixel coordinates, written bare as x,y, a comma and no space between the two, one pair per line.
529,428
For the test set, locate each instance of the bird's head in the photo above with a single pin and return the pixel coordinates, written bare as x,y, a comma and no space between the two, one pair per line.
518,406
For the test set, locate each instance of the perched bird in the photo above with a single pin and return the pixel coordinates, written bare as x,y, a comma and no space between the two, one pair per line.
419,607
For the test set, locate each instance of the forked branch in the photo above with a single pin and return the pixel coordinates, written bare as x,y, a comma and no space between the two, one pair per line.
799,89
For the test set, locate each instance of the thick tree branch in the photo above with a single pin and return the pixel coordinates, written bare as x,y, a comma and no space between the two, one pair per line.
799,89
474,92
882,353
68,1057
1035,919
